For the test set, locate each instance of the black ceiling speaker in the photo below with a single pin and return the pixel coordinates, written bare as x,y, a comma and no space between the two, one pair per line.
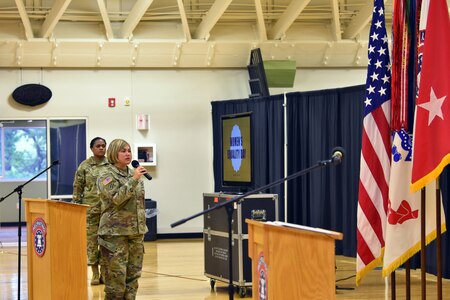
32,94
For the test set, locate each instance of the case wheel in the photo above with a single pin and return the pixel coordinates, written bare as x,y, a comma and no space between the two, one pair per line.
242,291
212,283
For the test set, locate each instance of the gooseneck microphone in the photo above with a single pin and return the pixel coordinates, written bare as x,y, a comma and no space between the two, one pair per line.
135,164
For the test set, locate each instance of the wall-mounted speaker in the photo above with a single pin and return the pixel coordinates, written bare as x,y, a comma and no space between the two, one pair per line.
280,73
32,94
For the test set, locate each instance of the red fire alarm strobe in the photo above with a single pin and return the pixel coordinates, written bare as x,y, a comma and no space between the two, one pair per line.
111,102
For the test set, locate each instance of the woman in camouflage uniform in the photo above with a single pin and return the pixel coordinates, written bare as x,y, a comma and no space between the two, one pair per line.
122,224
85,192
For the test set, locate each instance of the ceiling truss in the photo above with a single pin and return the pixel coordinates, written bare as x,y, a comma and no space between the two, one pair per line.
183,33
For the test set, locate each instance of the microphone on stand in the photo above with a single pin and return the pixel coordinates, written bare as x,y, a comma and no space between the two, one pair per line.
337,155
135,164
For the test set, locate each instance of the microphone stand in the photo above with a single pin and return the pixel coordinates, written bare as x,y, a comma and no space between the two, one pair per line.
18,190
229,208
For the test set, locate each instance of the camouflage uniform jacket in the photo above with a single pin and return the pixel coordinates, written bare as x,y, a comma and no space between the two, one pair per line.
123,203
85,183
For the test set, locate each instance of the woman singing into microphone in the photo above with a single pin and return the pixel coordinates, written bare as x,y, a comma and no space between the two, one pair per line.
122,224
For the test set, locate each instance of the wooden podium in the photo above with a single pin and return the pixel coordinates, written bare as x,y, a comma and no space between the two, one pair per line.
56,250
291,261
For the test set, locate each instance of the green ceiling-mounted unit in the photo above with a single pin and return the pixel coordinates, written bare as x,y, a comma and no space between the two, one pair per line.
280,73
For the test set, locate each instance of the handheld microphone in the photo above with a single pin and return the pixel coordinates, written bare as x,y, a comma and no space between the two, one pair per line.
135,164
337,155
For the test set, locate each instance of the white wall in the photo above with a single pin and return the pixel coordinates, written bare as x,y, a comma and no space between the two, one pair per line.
178,103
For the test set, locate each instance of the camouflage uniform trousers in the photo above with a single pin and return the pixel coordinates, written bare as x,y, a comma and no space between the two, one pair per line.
123,256
93,252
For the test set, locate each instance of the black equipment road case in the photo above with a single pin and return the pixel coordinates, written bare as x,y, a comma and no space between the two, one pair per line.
263,207
150,219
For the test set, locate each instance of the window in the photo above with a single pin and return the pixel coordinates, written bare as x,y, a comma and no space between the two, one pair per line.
27,147
23,149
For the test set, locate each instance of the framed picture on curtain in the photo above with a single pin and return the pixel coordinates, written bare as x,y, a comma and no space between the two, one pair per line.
145,154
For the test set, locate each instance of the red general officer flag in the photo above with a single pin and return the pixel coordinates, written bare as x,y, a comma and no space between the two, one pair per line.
431,149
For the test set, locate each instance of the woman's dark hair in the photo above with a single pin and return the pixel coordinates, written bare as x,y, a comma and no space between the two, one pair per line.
95,139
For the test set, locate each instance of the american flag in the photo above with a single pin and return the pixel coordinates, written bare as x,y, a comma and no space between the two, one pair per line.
375,150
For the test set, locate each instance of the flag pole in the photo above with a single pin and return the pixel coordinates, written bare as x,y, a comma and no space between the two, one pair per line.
438,240
408,279
423,260
393,294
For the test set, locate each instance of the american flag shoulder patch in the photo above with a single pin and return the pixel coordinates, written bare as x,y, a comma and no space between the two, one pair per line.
106,181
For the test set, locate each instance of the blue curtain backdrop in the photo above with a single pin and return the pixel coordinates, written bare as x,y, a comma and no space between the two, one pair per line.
431,248
316,122
268,138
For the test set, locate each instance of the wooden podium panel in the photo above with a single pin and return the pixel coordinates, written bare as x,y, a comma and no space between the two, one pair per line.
292,262
56,250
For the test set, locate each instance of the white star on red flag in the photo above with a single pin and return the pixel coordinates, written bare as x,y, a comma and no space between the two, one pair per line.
431,149
434,106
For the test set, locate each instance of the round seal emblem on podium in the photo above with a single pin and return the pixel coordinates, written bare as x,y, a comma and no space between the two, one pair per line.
262,278
39,229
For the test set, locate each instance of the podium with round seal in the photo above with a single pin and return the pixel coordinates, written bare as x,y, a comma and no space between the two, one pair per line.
56,250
